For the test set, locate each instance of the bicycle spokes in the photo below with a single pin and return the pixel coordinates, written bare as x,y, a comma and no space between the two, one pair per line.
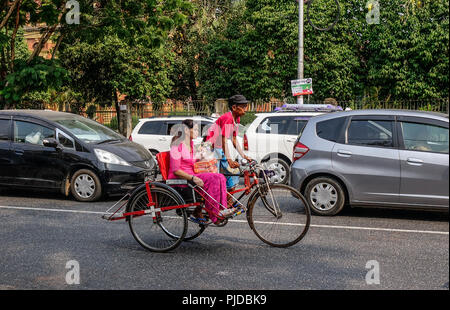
279,216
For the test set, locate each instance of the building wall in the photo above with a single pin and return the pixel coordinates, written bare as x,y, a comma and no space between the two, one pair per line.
32,35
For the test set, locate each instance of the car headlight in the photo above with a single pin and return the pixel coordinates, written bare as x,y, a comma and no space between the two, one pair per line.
109,158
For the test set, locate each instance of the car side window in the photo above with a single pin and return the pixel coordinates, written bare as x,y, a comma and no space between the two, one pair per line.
26,132
65,141
275,125
424,137
370,133
4,129
152,128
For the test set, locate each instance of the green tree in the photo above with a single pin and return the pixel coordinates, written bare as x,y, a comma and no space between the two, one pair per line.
138,27
405,56
100,71
121,47
407,53
18,75
189,41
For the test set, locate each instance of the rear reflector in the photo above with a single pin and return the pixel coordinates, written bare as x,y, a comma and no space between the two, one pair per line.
245,143
299,151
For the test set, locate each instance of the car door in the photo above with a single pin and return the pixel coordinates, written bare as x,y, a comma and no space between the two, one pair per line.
294,127
368,159
424,145
272,135
152,134
6,167
35,165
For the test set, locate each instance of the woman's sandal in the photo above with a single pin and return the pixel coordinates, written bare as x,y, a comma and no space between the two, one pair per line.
228,212
198,220
221,222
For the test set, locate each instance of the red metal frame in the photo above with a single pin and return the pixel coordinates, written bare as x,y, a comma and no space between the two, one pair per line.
156,212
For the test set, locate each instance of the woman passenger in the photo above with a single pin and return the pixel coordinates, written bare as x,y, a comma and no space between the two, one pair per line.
182,161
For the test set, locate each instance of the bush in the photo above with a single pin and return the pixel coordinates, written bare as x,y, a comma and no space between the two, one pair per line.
248,118
114,124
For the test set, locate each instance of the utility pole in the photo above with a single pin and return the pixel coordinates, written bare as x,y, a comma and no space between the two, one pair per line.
300,46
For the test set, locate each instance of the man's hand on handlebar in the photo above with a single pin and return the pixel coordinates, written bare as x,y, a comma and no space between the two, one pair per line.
248,159
233,164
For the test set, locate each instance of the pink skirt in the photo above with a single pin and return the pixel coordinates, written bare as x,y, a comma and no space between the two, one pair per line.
216,187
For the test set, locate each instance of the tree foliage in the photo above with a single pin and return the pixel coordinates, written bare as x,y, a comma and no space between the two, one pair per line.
117,46
405,56
202,49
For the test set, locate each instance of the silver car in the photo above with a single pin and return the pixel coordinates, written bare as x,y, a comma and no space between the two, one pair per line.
379,158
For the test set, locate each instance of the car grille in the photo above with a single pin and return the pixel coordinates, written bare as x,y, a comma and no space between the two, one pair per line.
146,164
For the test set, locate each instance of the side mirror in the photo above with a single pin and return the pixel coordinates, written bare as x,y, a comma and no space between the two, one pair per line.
50,142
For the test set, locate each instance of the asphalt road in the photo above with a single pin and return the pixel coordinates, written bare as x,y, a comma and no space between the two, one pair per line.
41,232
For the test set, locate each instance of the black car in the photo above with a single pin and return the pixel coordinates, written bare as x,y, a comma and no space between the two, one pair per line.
69,153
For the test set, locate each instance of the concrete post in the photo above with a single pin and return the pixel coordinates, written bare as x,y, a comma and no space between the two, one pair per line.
125,125
221,106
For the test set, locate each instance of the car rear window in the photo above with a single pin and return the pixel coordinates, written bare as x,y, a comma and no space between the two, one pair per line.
204,126
283,125
153,128
330,129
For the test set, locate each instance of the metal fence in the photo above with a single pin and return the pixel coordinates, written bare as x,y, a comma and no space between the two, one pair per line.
107,116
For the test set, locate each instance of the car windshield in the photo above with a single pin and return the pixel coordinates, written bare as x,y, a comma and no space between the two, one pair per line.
89,131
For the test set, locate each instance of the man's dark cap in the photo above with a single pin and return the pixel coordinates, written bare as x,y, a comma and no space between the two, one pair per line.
237,99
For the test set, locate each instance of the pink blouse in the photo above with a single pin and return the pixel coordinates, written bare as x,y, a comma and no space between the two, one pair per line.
181,159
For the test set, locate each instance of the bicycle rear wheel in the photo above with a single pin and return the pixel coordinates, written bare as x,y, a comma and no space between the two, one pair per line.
279,215
152,234
193,229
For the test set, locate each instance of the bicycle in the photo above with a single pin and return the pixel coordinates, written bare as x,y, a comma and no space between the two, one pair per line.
158,211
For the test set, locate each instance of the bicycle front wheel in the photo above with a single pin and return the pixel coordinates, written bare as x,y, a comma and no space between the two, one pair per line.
151,232
279,215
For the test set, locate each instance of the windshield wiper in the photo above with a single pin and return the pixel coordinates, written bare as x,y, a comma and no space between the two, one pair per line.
109,140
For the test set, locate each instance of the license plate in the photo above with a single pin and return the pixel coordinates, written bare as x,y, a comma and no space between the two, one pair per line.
148,177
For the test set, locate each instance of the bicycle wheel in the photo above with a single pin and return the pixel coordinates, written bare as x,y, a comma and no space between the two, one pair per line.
152,234
279,215
193,229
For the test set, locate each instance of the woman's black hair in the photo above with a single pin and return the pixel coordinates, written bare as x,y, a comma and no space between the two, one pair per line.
189,123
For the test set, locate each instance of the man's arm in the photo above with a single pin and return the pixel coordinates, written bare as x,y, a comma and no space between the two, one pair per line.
231,162
237,146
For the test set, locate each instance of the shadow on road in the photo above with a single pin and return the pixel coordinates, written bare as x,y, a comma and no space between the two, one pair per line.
44,194
348,212
420,215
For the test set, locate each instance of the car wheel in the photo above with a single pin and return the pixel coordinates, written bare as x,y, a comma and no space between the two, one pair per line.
281,169
85,186
325,196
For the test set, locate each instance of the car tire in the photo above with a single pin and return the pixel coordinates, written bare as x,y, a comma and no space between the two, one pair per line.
325,196
281,169
85,186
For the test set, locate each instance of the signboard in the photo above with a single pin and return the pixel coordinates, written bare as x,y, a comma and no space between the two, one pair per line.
301,87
